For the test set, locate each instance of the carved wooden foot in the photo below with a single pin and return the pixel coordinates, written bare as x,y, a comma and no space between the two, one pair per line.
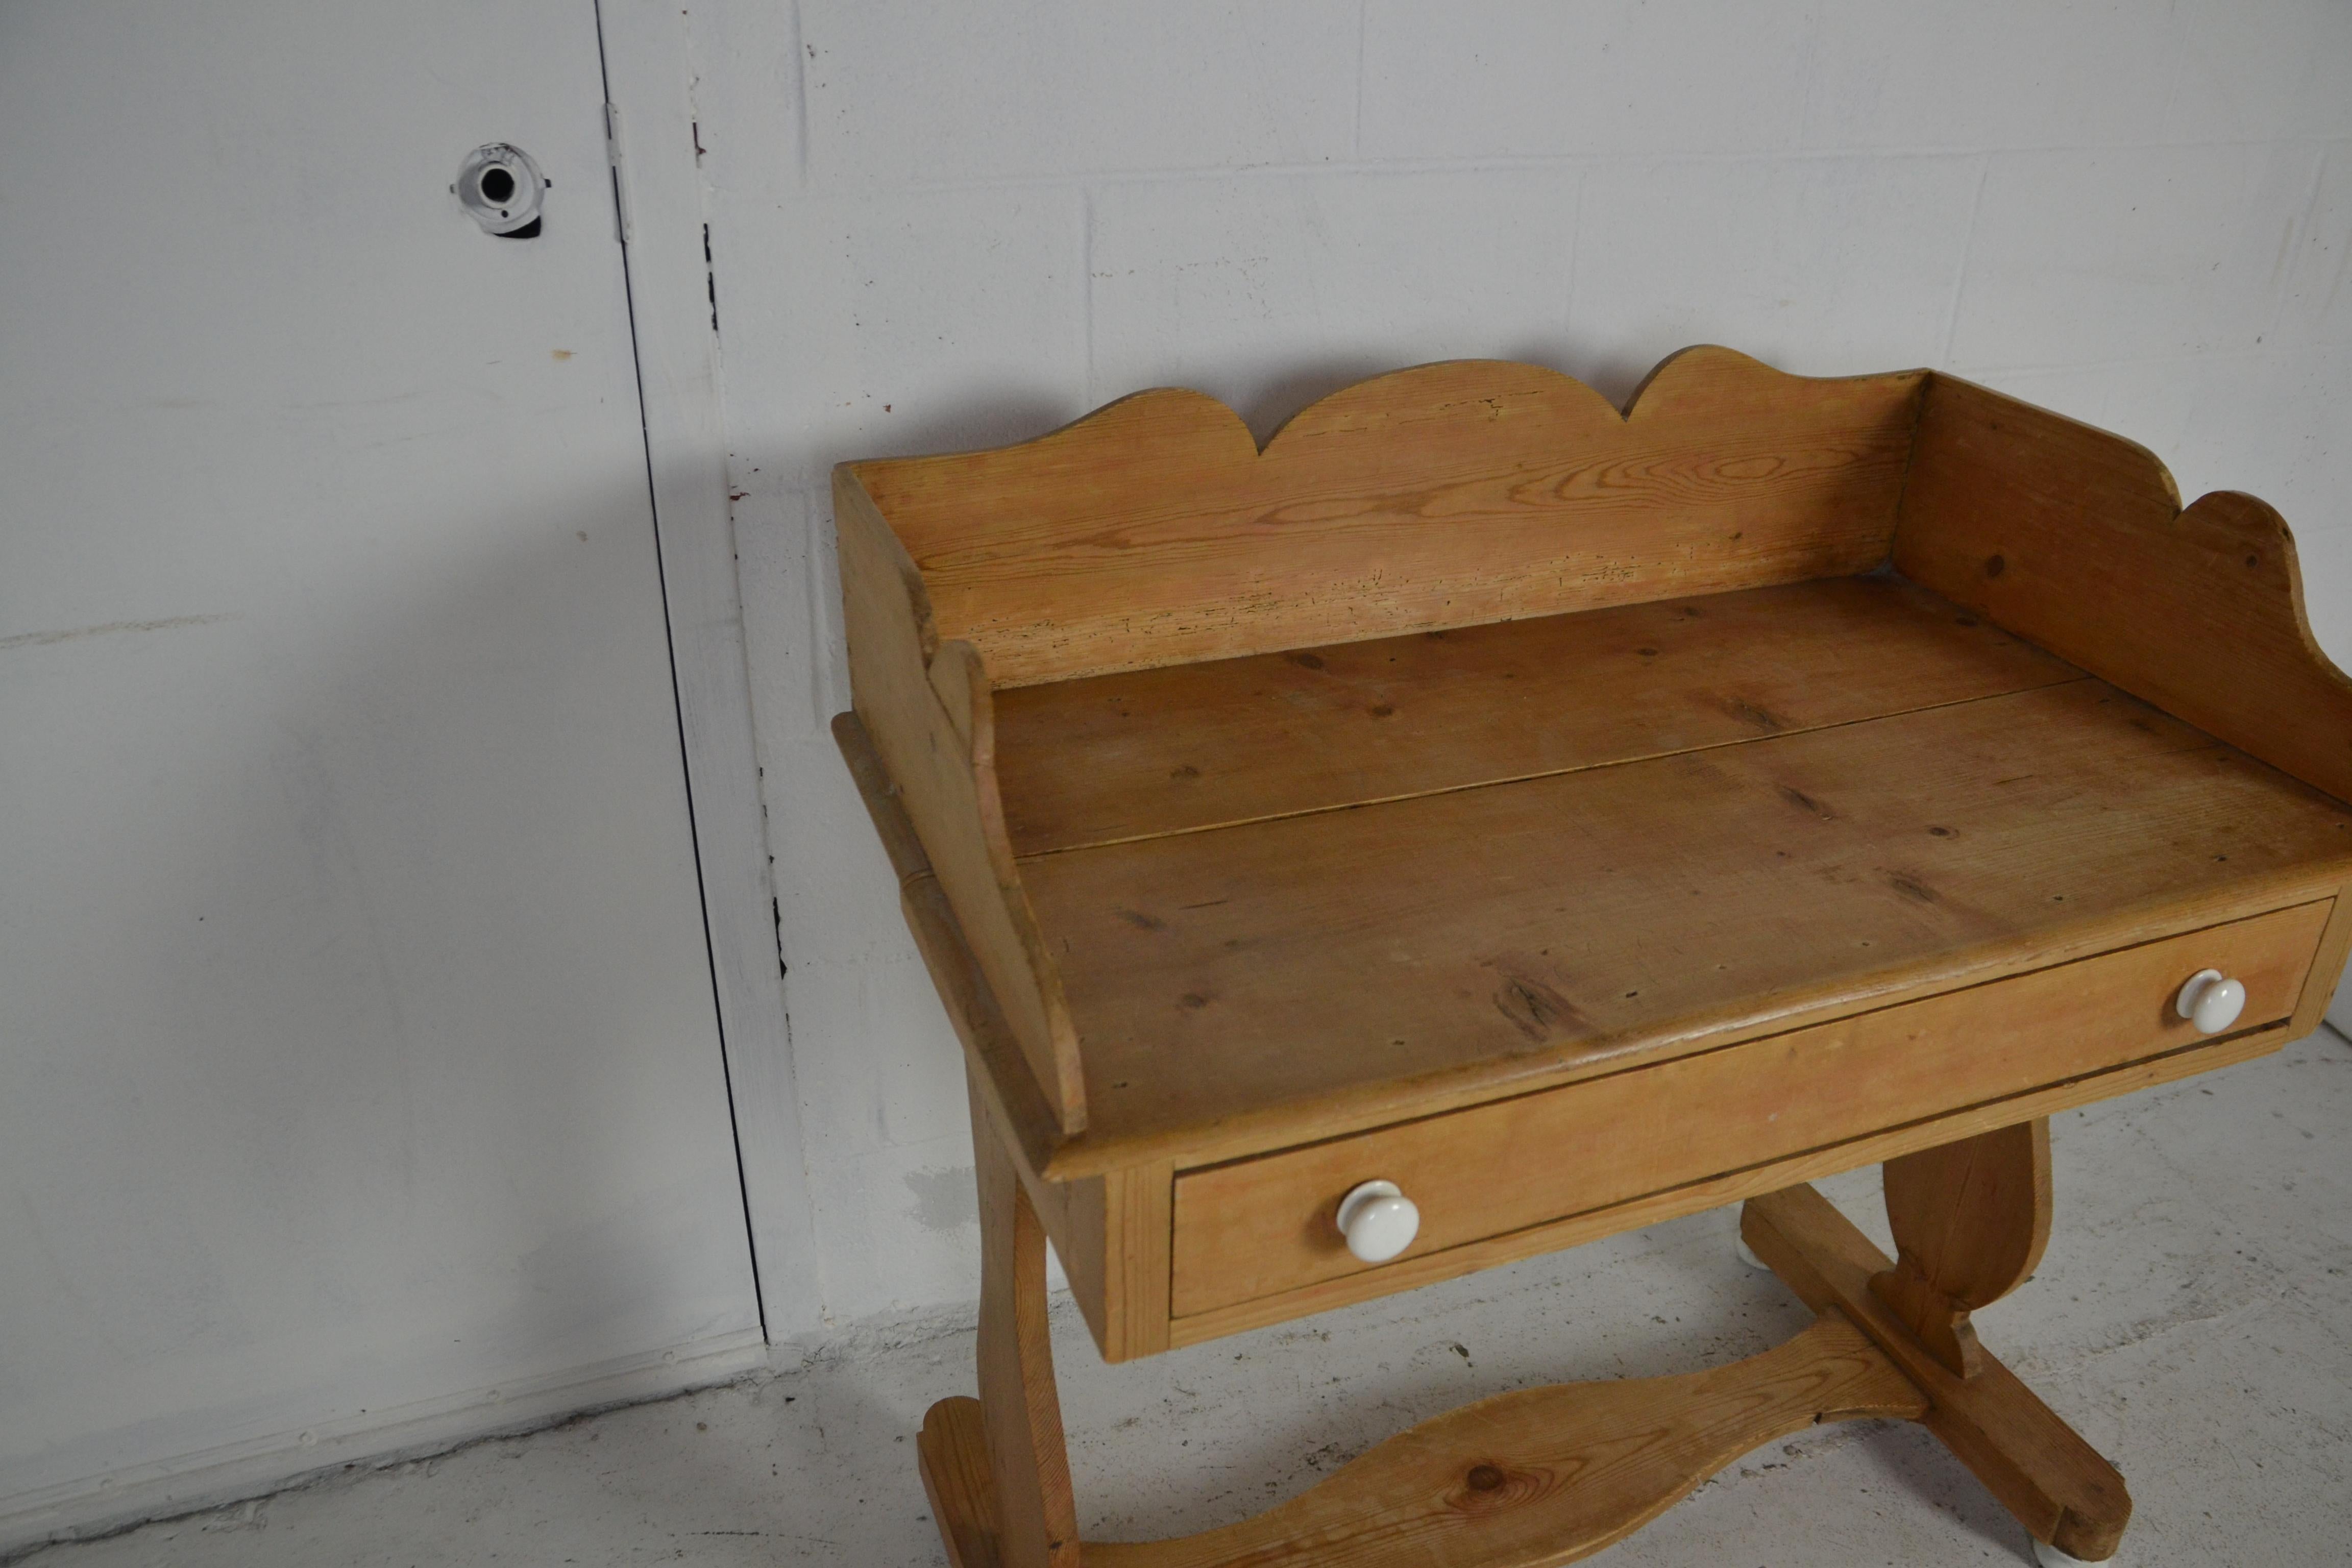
1970,1219
952,1452
2040,1469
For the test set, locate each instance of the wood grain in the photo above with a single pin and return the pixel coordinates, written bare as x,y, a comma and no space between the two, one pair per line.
952,1451
1228,983
1140,1211
1154,532
2327,971
1111,1229
942,767
1546,1476
1021,1409
1970,1220
1189,746
1425,1269
1117,1257
1258,1227
998,1067
2076,540
2040,1469
1525,1479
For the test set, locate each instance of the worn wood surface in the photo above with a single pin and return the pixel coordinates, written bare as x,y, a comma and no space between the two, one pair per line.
1427,1268
1205,1023
1538,1476
2040,1469
1022,1409
1113,1244
940,765
952,1452
1110,1229
1229,984
1122,1236
2076,540
1170,750
2327,971
1154,532
1258,1226
1548,1476
1970,1220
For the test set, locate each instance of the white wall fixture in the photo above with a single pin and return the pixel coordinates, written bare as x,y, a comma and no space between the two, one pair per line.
500,188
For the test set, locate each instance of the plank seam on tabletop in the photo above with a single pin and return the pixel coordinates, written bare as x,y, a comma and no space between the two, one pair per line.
1435,790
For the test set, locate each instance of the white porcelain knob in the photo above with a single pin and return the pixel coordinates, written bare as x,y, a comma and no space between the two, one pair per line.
2210,1001
1378,1221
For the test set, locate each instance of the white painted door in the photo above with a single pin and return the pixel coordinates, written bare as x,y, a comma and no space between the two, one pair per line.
358,1064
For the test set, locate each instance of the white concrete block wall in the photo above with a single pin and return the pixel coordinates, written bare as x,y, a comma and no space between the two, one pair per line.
1270,290
941,226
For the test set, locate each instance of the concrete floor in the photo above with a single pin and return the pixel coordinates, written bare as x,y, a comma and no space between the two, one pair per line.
2192,1318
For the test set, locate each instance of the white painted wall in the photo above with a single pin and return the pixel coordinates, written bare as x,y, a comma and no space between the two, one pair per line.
359,1078
943,225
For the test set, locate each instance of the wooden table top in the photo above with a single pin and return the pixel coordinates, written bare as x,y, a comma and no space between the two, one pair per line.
1447,866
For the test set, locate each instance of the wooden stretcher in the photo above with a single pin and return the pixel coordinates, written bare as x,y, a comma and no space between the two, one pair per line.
1572,819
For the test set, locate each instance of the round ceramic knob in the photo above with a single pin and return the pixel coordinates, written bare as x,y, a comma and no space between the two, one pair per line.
2210,1001
1378,1221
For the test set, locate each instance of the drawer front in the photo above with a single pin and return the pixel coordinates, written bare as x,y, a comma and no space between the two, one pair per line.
1258,1227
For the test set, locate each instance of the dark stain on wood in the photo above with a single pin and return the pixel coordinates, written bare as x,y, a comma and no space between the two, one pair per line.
1912,888
1754,713
1535,1010
1805,803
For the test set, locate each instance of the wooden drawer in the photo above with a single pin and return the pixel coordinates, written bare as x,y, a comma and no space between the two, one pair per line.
1263,1225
